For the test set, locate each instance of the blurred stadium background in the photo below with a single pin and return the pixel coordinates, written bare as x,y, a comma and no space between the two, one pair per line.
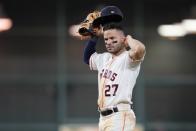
45,86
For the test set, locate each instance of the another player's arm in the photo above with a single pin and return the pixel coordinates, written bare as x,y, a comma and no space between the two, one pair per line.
91,44
89,49
137,50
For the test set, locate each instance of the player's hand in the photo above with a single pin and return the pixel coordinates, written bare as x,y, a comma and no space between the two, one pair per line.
86,28
128,40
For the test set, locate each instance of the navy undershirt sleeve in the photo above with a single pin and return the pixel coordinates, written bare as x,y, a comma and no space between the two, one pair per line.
89,49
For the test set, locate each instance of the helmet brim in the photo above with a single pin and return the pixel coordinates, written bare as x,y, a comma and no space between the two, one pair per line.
106,19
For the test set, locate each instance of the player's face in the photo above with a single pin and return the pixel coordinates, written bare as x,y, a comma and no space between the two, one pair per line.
114,41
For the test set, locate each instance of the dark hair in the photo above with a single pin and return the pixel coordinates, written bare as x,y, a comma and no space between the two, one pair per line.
110,26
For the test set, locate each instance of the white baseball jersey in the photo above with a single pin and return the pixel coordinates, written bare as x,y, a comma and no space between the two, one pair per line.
116,78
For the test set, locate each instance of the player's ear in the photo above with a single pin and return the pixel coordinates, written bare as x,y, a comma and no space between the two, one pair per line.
123,39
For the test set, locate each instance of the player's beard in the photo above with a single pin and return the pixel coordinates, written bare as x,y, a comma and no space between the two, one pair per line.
116,49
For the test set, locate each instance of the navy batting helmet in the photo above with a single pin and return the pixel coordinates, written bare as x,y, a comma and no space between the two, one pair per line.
109,14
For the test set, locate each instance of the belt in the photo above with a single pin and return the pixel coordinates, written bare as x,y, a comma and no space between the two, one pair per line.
109,111
117,108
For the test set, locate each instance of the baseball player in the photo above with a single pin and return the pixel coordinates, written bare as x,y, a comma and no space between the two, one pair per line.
118,70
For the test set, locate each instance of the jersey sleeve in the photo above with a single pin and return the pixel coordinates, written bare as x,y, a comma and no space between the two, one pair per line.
94,61
97,60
